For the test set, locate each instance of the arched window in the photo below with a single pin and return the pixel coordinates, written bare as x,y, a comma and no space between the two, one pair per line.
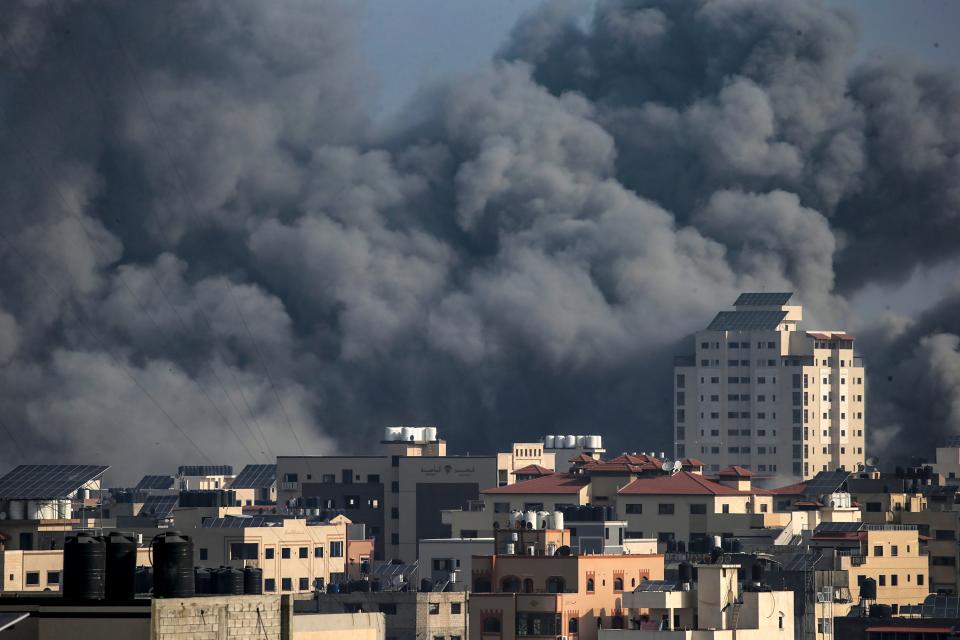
510,584
573,626
528,585
491,625
481,584
589,585
556,584
618,584
633,582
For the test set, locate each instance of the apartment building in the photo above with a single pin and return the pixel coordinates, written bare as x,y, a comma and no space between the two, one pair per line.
761,393
947,458
407,615
940,524
890,554
523,455
538,593
444,558
714,606
399,495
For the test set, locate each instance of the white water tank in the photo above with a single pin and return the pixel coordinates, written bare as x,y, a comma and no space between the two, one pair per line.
396,434
406,433
430,434
558,441
531,519
558,519
48,510
581,440
531,550
516,519
387,433
551,549
18,510
64,509
543,518
548,442
33,510
569,442
594,442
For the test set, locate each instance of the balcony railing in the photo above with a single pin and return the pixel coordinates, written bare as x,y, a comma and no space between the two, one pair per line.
290,485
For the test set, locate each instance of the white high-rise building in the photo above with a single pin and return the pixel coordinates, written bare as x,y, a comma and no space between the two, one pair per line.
763,394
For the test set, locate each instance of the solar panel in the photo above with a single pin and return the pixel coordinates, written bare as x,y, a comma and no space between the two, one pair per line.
242,522
826,482
762,299
255,476
158,506
656,585
38,481
747,320
838,527
155,482
205,470
7,620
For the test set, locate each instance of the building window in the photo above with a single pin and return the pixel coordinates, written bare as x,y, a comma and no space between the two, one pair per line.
893,580
268,553
618,584
203,554
336,549
883,580
33,578
725,508
455,608
304,584
244,551
318,552
286,584
285,553
270,584
573,625
395,486
434,608
893,550
665,508
304,552
698,509
920,579
491,625
878,550
634,508
590,585
394,538
53,577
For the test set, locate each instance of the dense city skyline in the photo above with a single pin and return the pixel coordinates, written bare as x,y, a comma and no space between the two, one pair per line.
215,250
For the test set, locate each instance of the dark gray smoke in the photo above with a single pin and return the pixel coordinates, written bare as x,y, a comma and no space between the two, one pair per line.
208,253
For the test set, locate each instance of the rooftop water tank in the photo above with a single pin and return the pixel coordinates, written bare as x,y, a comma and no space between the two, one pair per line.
172,565
531,519
406,434
581,441
229,581
558,519
594,442
121,566
253,581
84,567
548,442
202,581
431,434
569,442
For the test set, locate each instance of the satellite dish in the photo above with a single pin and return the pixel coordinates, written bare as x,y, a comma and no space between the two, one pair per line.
871,462
677,466
667,465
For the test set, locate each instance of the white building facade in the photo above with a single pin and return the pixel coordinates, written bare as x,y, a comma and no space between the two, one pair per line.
761,393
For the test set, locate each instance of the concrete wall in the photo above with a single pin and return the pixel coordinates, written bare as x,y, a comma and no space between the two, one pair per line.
339,626
407,615
214,618
54,621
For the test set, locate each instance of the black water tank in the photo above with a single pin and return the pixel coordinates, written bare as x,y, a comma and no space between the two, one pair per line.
253,581
229,581
84,567
868,589
172,565
881,611
121,566
143,580
426,584
715,555
685,571
202,581
756,572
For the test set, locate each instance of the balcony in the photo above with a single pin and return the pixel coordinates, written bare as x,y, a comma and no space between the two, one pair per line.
290,486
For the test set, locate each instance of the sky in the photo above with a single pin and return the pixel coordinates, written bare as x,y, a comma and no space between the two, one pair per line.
238,229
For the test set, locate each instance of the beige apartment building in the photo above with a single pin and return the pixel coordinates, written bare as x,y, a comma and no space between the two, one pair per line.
940,523
763,394
400,494
713,607
947,463
890,554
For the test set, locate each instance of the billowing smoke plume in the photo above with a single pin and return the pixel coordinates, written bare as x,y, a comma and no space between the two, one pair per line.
208,254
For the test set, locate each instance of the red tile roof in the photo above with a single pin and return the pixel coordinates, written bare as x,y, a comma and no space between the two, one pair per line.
681,483
533,470
582,458
692,462
735,472
790,490
553,483
626,463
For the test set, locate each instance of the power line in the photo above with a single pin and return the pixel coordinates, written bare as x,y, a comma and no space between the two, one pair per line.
38,168
193,208
116,362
